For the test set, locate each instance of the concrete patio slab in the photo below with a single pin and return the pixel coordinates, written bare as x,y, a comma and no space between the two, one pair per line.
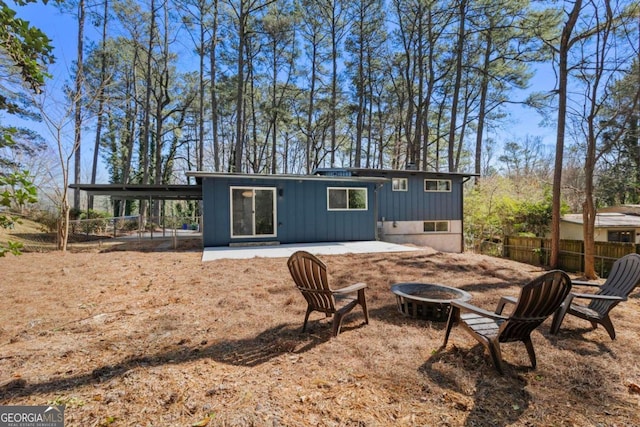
284,251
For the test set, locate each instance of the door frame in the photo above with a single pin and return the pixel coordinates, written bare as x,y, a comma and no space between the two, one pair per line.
253,206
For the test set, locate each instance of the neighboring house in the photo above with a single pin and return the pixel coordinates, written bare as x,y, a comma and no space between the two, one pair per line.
609,227
423,208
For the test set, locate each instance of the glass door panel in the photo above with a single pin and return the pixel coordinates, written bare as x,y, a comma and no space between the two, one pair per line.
242,211
264,212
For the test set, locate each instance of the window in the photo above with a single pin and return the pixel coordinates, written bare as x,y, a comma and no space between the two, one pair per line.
437,185
621,236
339,199
253,212
436,226
399,184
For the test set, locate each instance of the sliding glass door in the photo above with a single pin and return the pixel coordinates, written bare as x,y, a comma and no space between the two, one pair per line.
253,212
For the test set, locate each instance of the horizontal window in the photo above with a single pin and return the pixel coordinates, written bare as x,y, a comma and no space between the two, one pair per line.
443,185
436,226
399,184
341,199
621,236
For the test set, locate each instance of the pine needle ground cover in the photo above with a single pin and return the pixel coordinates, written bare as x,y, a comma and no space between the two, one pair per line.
141,337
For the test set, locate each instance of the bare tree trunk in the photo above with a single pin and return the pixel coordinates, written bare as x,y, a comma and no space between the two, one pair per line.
101,100
78,104
563,75
242,17
484,89
200,89
457,83
312,94
214,89
334,81
146,127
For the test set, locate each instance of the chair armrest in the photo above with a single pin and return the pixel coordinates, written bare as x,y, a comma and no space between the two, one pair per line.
504,301
349,289
477,310
585,283
600,297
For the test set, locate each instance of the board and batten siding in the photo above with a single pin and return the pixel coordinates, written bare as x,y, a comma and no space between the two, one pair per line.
417,205
301,211
402,213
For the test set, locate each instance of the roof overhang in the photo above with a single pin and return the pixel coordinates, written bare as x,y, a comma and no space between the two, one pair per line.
142,191
606,220
370,172
221,175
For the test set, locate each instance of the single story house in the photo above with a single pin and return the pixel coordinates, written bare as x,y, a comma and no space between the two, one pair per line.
240,209
333,204
609,227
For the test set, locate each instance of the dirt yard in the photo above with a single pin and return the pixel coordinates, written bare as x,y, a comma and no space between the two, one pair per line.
126,336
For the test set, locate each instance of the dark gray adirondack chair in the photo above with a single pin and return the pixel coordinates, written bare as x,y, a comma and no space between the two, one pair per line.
623,278
310,276
538,300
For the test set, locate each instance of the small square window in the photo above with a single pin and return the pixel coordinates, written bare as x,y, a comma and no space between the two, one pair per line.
399,184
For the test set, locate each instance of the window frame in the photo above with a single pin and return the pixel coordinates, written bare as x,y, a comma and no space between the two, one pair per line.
438,182
435,226
400,187
630,232
348,189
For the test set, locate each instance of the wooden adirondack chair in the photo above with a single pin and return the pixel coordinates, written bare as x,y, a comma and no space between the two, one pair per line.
623,278
310,276
538,300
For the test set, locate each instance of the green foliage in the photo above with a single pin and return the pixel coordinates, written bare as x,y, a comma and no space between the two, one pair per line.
19,191
14,248
494,209
28,48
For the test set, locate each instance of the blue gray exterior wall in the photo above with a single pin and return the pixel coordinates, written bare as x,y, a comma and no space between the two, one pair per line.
403,216
414,204
301,211
417,205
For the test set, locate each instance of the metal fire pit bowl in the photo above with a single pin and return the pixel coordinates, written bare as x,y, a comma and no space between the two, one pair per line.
427,301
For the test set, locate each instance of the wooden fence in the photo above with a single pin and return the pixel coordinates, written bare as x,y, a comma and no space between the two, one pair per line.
536,251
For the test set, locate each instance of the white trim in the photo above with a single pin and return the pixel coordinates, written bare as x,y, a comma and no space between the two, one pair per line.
347,189
253,197
448,181
400,180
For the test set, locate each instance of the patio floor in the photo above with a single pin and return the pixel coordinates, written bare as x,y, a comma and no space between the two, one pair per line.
285,250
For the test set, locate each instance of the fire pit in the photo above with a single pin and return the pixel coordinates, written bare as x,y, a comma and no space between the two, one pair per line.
427,301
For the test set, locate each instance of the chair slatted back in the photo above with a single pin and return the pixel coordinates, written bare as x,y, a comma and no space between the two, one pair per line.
538,299
622,280
310,276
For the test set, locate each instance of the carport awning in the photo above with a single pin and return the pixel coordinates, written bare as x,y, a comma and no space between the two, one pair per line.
142,191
